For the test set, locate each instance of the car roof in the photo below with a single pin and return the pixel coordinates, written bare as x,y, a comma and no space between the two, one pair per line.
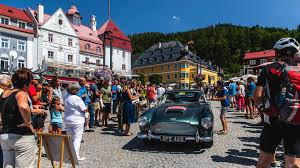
184,90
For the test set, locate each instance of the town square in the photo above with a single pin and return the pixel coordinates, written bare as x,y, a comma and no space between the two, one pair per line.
109,84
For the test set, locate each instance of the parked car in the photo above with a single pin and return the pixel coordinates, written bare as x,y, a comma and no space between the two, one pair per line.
181,116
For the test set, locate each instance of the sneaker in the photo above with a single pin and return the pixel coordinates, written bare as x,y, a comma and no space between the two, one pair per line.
81,158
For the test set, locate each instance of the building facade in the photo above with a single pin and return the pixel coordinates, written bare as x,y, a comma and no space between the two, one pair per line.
57,43
175,63
254,60
16,39
90,46
118,45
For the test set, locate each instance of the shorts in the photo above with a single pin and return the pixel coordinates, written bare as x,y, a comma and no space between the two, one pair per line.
107,108
276,132
38,121
249,101
232,98
56,125
96,105
224,110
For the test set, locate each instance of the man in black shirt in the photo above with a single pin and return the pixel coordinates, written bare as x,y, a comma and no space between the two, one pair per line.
275,131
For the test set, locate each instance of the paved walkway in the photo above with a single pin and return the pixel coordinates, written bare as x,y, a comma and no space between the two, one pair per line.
106,148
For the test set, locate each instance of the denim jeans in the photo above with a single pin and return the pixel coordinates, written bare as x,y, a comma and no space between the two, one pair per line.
92,115
18,150
115,105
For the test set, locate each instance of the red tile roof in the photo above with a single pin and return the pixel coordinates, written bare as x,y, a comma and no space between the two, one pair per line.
46,17
88,36
72,10
14,13
120,40
16,28
259,54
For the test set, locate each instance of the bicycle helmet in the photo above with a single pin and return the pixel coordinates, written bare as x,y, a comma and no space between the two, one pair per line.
287,46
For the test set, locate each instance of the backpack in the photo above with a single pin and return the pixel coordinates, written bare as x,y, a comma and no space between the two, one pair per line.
288,101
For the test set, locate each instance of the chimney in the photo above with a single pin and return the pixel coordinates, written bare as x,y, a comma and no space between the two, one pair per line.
93,23
159,45
40,13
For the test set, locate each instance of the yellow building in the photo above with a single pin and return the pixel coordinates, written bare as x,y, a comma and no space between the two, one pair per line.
175,63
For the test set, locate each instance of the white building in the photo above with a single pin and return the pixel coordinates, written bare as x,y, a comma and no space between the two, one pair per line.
16,39
90,46
58,44
121,48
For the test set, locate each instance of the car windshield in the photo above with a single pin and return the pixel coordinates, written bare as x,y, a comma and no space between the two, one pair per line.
183,96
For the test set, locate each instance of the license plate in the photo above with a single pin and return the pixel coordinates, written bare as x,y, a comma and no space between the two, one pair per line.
172,139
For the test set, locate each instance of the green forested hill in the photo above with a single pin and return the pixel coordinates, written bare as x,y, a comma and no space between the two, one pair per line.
223,44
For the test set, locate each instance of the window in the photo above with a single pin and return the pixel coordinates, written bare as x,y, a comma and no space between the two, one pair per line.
175,66
263,61
87,47
50,54
50,37
168,76
4,62
184,75
161,68
22,25
123,55
5,42
70,58
169,67
5,20
60,21
252,62
123,67
87,60
98,49
184,85
175,76
70,42
21,46
152,69
184,65
21,63
98,62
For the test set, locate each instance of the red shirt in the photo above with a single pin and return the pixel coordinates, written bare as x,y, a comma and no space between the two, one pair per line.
32,92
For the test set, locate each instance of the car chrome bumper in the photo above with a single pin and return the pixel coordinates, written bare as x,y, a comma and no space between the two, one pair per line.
188,138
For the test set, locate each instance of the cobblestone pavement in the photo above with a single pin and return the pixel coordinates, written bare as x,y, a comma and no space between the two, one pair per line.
106,148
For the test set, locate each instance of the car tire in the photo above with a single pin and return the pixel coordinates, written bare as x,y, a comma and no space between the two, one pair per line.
206,145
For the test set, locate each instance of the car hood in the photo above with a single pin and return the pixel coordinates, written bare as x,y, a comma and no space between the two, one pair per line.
191,113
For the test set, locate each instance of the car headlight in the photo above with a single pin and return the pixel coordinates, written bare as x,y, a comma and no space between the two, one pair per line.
142,121
206,123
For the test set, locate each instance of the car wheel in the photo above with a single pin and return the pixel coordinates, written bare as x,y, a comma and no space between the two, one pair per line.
206,145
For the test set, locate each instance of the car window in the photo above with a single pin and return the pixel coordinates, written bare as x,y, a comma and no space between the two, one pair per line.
183,96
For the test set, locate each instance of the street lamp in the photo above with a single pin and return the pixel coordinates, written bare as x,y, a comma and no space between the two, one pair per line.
105,36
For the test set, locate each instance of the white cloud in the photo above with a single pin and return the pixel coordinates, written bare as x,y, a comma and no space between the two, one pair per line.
176,19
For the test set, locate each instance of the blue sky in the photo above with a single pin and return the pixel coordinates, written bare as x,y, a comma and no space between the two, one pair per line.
134,16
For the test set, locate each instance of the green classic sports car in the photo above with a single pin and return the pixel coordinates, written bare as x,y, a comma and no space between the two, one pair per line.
181,116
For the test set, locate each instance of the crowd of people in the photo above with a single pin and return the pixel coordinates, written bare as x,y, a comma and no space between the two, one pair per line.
41,105
27,102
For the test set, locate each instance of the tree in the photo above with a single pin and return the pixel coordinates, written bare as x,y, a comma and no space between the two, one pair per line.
155,79
223,44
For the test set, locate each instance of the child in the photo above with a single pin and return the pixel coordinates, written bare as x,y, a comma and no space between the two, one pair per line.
56,115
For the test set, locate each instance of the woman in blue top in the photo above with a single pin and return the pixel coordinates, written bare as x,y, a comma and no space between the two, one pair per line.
56,115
